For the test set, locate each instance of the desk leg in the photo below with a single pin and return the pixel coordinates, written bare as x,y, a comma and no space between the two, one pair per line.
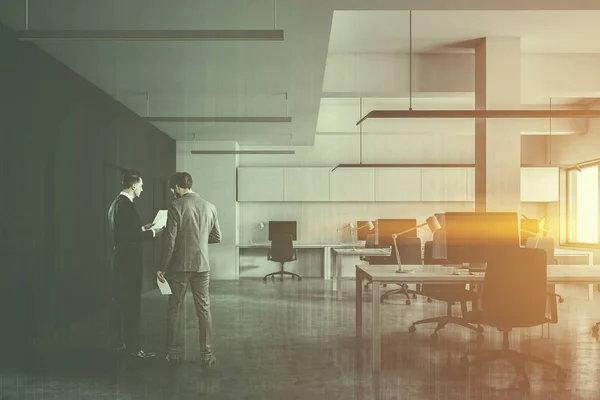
376,333
338,276
359,301
327,262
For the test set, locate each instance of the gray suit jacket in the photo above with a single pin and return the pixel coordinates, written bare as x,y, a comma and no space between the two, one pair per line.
191,225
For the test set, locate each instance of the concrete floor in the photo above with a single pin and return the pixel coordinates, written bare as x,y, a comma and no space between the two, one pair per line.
294,340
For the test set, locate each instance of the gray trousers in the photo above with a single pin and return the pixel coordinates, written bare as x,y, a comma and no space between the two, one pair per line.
179,281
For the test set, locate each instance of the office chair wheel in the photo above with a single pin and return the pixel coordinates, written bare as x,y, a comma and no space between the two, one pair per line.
595,329
293,277
412,329
299,278
414,296
265,279
429,300
434,337
407,302
561,375
480,330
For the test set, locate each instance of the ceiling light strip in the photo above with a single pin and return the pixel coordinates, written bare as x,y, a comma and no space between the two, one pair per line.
403,166
481,114
217,119
136,35
264,152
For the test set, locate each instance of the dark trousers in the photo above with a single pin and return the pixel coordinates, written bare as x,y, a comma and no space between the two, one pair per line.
179,282
126,303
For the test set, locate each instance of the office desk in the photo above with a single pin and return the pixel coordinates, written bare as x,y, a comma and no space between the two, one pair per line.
325,247
435,274
340,253
576,257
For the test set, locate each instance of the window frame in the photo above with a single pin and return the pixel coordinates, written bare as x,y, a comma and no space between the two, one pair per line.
568,207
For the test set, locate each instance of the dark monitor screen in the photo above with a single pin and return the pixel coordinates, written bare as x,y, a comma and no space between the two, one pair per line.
478,236
282,228
361,234
387,227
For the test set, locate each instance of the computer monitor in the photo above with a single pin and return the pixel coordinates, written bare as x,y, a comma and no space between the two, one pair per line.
282,228
387,227
475,237
361,234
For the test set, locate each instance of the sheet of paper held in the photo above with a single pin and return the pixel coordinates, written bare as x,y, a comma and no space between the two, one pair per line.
160,221
164,287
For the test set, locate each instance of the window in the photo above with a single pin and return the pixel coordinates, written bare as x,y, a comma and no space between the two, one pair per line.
583,205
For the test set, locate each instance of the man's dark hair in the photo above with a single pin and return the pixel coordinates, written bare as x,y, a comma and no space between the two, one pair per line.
181,179
130,177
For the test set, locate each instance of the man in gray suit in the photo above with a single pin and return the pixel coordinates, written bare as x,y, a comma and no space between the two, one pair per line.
191,225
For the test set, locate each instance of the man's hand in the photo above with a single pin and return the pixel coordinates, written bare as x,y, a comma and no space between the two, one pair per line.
147,226
161,276
157,232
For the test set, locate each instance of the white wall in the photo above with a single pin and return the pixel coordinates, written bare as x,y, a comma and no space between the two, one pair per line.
542,75
215,181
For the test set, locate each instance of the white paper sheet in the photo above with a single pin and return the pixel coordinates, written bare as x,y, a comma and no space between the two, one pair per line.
164,287
160,221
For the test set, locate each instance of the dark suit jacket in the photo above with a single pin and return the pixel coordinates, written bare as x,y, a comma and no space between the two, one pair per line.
127,232
192,224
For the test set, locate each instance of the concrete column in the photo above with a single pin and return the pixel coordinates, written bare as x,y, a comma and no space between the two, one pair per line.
497,141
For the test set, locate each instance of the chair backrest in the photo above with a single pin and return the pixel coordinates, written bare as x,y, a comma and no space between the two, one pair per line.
514,289
544,243
428,255
371,240
409,249
282,248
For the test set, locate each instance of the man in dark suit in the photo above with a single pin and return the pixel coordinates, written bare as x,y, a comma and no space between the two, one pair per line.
127,266
192,224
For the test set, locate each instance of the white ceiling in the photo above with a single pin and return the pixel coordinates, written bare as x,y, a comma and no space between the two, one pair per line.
451,31
253,78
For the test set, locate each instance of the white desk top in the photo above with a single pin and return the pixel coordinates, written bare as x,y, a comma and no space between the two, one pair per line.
571,252
301,245
441,274
372,251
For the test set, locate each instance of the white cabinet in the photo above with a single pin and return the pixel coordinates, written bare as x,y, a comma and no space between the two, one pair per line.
352,184
306,184
398,184
444,184
260,184
539,184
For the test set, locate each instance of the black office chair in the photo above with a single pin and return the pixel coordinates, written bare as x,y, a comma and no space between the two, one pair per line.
281,251
546,244
409,249
451,294
522,273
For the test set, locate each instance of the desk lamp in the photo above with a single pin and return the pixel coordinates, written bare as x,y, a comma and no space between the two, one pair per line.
433,225
260,226
355,230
